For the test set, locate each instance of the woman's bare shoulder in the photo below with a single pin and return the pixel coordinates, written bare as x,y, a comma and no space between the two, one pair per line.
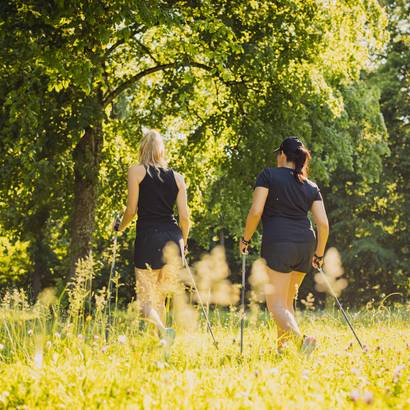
137,170
179,178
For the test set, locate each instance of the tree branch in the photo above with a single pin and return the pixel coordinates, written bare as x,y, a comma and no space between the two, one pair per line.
121,41
110,96
128,83
147,51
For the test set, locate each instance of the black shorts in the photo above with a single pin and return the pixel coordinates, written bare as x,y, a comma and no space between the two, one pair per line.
289,256
149,245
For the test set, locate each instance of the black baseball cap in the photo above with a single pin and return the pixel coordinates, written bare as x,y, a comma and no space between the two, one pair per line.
290,144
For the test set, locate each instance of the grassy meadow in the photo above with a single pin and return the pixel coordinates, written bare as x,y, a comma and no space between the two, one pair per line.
49,361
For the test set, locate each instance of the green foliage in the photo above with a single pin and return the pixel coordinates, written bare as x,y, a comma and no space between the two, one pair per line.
14,261
372,214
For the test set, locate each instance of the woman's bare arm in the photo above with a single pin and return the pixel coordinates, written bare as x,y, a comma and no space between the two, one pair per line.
136,174
182,205
322,225
255,213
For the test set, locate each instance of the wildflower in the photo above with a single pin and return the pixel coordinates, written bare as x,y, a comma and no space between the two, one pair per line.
256,373
57,335
1,346
122,339
38,359
190,376
334,271
104,348
355,371
48,344
160,365
96,337
80,336
354,395
305,374
4,396
259,281
274,370
397,372
47,297
30,332
147,401
368,397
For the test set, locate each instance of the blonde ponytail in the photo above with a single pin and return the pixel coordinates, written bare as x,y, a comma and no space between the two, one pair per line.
152,152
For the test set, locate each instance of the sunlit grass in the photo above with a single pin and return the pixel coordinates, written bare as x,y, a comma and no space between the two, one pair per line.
47,363
77,356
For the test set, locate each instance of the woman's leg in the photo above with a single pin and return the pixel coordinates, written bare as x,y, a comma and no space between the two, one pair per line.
151,301
277,302
295,282
309,342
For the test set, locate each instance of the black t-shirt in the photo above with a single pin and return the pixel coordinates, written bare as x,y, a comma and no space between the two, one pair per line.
285,217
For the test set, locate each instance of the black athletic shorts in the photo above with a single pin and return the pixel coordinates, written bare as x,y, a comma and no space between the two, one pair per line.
149,245
289,256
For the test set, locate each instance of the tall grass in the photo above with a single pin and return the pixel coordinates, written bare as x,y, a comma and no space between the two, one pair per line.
54,357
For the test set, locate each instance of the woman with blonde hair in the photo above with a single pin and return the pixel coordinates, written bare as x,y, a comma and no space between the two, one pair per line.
282,197
153,191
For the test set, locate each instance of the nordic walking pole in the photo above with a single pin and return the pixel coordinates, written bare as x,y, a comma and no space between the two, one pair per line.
116,226
243,298
208,323
340,307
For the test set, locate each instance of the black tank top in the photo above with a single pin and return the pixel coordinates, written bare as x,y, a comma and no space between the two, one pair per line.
156,200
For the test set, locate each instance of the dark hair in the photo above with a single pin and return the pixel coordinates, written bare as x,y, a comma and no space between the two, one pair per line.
300,157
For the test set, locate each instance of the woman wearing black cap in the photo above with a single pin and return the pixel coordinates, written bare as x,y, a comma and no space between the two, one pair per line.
283,196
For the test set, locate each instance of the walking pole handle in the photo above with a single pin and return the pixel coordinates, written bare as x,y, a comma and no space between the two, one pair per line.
117,222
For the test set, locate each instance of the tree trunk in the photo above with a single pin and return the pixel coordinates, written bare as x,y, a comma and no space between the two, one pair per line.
86,170
38,249
40,268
